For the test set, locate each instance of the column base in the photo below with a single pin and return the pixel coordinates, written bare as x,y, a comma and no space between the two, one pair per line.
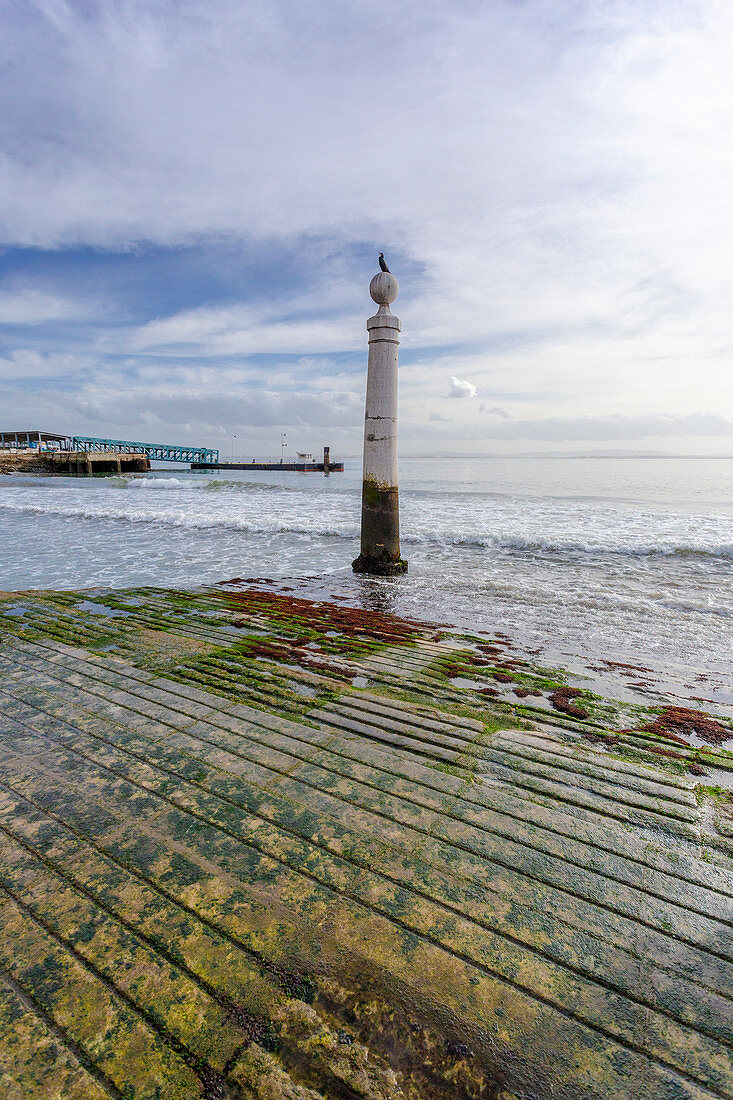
379,567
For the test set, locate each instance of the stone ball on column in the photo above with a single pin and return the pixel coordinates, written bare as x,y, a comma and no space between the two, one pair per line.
384,288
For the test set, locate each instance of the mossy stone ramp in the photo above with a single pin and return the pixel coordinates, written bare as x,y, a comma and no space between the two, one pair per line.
255,847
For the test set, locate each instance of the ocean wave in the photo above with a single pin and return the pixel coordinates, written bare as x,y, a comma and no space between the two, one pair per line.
500,542
177,519
154,483
533,545
219,485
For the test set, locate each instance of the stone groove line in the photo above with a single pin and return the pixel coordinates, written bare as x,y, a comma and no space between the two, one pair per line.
116,1032
79,861
36,1039
687,1093
589,948
624,1039
562,791
570,1016
726,899
189,727
528,738
175,952
210,1036
338,871
192,1049
566,914
563,764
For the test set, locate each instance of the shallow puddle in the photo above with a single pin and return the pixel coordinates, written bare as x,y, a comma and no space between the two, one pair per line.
15,611
102,609
302,689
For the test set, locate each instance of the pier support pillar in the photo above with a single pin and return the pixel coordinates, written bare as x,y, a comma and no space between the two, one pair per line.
380,515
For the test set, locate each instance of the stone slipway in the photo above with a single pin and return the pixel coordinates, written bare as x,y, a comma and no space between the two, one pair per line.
251,847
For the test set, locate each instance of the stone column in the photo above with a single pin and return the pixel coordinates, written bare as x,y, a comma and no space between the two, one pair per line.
380,511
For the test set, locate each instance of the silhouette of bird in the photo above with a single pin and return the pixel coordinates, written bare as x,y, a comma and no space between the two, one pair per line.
382,264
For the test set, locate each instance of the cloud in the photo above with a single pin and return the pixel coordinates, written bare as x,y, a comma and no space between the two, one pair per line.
242,330
436,418
34,307
552,191
220,411
459,388
598,428
20,367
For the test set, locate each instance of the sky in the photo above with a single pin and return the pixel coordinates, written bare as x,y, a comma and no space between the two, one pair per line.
194,197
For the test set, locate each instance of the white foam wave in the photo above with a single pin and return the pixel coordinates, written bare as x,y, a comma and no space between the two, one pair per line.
424,532
574,546
157,483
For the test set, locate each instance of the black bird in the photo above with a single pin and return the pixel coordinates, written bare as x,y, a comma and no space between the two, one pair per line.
382,264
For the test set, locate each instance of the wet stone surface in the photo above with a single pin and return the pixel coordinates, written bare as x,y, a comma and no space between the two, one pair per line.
252,846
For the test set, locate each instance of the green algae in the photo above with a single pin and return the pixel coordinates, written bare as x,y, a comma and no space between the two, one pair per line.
305,880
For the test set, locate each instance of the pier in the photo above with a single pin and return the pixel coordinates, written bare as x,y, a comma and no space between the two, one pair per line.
160,452
89,463
34,451
31,460
297,467
305,464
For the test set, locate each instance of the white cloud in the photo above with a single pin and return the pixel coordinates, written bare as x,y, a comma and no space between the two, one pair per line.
218,411
20,366
555,176
240,330
608,428
458,387
34,307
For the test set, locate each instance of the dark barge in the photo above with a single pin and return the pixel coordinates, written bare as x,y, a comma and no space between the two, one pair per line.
300,467
305,464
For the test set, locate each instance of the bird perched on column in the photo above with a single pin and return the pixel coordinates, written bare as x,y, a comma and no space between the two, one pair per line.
382,263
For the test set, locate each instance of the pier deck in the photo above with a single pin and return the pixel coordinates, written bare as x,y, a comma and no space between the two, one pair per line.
255,847
293,467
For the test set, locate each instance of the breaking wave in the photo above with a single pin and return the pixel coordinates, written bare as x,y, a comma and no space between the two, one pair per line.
422,528
141,483
637,561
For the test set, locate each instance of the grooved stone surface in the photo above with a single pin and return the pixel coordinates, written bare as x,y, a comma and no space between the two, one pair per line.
224,873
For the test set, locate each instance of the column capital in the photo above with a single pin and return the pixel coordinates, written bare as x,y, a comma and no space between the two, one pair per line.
383,320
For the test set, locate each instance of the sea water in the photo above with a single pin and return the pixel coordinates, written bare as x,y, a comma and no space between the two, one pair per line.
615,556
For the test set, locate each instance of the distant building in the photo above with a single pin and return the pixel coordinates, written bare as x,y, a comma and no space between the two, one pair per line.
44,441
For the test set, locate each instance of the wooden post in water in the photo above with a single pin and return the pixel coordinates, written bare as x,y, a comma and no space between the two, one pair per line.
380,510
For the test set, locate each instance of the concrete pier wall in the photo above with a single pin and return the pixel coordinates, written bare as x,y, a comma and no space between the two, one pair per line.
73,463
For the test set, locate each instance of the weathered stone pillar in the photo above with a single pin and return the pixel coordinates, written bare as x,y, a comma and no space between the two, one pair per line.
380,511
